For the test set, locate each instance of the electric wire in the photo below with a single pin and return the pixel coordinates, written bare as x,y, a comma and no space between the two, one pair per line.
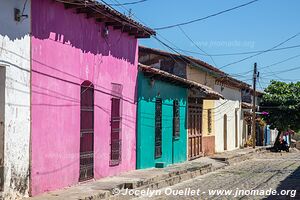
246,58
203,18
128,3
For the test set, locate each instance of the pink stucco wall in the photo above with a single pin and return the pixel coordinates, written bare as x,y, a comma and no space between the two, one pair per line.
67,49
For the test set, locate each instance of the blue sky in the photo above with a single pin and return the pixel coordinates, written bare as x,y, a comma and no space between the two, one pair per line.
258,26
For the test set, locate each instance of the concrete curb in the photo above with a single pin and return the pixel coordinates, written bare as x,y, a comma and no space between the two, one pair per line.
153,179
231,159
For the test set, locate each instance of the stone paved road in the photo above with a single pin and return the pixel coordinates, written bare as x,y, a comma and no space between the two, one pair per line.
270,170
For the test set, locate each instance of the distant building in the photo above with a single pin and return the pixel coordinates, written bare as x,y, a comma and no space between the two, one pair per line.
163,116
219,124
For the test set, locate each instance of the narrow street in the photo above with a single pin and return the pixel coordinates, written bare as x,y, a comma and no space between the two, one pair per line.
279,171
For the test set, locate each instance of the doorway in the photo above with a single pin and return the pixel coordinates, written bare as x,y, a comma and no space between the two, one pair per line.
2,120
236,129
86,131
195,106
225,132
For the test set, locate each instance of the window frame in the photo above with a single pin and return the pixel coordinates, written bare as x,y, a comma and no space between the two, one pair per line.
116,125
209,121
158,129
176,119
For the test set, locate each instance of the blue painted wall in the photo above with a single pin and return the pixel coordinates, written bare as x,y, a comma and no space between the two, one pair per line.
173,150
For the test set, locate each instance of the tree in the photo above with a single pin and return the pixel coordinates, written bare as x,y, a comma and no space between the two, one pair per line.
282,102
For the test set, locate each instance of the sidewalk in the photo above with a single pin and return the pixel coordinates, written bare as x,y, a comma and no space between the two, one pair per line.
235,156
154,178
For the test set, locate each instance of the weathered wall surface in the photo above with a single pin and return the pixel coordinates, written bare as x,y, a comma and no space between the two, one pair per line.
208,127
206,130
173,151
200,76
67,49
227,107
234,98
208,136
165,63
229,93
15,58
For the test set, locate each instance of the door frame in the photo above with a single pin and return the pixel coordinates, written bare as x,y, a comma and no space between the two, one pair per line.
236,127
225,123
195,108
86,157
2,123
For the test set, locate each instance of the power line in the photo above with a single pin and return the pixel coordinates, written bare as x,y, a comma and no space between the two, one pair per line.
271,65
128,3
240,53
163,43
288,59
282,71
190,39
203,18
281,43
259,83
174,50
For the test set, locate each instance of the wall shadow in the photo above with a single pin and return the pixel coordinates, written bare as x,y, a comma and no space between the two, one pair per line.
292,182
51,21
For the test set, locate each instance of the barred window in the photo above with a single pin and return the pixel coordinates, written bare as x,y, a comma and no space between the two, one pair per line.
115,156
176,119
116,125
209,120
158,128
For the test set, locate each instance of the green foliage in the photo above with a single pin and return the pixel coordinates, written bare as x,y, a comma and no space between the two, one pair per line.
282,101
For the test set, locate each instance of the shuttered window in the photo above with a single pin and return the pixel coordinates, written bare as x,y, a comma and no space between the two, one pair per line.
176,119
158,128
116,124
209,121
116,119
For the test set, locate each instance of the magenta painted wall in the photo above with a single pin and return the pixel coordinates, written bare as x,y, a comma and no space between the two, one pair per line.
67,49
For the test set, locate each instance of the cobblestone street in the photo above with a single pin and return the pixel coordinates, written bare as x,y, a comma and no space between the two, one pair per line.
279,171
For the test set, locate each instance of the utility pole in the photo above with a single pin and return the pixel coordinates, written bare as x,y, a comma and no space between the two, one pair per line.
254,107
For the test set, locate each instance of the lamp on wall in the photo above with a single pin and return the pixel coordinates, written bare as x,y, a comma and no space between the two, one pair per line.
18,15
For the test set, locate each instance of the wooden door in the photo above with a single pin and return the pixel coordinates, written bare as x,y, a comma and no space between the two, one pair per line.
225,132
2,109
195,128
87,131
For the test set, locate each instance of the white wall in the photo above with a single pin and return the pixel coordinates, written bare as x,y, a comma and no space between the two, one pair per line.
229,93
227,107
15,57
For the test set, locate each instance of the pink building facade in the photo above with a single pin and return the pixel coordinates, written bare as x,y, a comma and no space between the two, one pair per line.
83,95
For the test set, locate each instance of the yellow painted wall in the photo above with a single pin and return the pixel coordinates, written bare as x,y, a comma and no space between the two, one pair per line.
200,77
208,104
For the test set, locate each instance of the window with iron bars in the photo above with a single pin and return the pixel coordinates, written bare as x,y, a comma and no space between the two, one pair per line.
116,119
116,125
176,120
209,120
158,128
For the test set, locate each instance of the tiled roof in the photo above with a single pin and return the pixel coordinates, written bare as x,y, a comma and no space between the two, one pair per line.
210,93
220,75
109,16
